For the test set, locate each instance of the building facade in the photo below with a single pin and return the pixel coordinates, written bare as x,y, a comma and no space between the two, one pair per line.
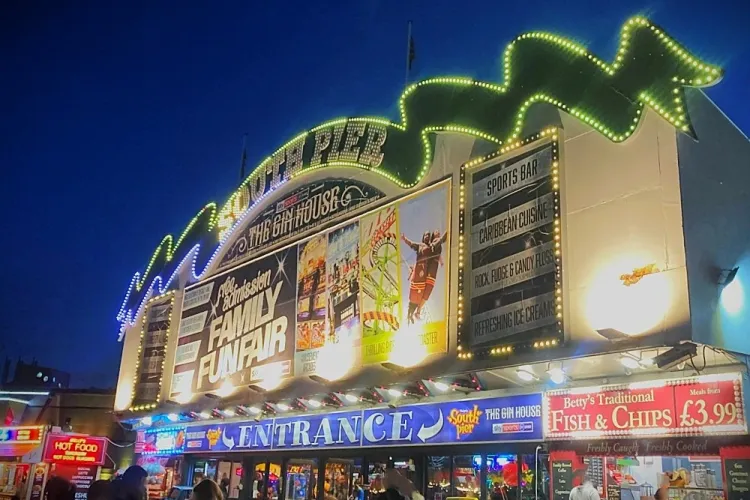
511,287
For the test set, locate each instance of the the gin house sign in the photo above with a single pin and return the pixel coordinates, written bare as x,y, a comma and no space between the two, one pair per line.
352,142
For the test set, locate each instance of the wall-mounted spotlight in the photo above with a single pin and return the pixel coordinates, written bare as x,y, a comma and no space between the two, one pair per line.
612,334
726,276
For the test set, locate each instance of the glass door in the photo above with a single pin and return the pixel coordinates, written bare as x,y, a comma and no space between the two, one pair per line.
467,476
301,477
338,478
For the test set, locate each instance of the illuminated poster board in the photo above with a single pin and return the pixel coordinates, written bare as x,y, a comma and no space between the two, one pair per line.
75,449
370,290
511,225
710,404
154,335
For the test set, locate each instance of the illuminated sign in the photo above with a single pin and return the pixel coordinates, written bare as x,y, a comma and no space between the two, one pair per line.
305,208
510,220
164,441
75,449
371,290
710,404
21,435
488,420
538,67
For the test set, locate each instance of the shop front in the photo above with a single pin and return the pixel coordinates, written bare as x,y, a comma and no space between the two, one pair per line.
22,472
626,439
160,454
478,448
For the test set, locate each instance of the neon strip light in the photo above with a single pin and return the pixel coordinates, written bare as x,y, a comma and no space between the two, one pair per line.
692,72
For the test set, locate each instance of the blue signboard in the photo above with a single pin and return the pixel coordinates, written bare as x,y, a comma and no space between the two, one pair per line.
510,418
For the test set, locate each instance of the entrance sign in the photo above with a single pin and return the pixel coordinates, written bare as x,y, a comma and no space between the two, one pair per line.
711,404
491,420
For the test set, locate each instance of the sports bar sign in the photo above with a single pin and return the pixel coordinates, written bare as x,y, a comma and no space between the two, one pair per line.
710,404
75,449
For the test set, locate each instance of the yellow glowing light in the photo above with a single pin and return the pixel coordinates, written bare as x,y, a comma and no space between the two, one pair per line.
408,348
336,359
634,309
733,297
124,396
184,397
226,389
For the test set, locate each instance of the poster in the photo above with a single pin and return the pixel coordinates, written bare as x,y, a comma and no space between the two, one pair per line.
312,303
243,331
380,261
513,267
369,291
424,247
153,349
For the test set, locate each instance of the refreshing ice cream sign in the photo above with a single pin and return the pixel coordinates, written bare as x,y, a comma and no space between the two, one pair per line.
512,418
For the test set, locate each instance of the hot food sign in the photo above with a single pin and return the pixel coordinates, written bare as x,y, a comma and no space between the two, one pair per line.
75,449
710,404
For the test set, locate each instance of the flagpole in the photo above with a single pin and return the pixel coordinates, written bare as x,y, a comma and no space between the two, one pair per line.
243,160
408,53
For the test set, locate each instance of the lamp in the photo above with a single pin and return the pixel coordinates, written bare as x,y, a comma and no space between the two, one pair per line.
726,276
612,334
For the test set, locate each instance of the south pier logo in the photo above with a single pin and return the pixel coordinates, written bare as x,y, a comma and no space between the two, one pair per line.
464,420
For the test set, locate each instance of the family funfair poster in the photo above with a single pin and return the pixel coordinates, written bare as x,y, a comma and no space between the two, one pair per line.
372,290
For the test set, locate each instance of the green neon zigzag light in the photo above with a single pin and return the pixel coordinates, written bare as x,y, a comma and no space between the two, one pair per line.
649,69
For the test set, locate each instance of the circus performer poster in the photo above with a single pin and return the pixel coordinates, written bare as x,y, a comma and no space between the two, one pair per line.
312,301
380,284
424,249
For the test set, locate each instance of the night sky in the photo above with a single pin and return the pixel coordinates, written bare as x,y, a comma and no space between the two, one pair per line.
120,120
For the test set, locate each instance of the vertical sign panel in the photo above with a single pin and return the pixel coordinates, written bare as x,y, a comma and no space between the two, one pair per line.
154,336
512,271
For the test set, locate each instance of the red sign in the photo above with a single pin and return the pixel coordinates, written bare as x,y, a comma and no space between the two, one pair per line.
82,476
711,404
75,450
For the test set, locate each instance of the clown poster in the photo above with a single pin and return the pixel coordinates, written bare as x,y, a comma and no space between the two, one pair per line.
424,247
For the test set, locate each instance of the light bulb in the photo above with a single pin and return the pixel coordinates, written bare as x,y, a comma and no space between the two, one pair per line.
254,410
351,398
526,375
441,386
173,417
229,412
146,421
394,393
629,362
557,375
204,415
314,403
282,406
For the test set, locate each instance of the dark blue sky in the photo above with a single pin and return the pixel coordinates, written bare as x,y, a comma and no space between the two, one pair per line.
119,120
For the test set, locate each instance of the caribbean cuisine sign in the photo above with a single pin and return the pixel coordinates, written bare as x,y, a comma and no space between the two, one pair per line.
72,449
700,405
352,293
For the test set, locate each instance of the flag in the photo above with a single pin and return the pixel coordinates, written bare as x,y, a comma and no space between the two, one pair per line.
9,416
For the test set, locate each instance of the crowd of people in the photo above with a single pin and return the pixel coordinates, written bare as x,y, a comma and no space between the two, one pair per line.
130,486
